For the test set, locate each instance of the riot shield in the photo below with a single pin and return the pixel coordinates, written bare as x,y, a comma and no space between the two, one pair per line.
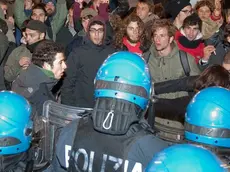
55,116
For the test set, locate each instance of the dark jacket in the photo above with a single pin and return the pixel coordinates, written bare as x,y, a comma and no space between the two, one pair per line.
83,63
13,163
142,150
75,42
119,7
173,108
35,84
4,44
64,36
221,50
182,84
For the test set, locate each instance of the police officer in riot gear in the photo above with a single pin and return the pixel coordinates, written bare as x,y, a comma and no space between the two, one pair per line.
207,121
185,157
15,132
115,136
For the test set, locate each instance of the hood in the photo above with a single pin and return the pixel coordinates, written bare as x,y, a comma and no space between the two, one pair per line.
100,19
29,80
185,42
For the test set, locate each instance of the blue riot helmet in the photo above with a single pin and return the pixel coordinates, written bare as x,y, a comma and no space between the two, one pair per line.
123,77
126,76
185,158
207,117
15,123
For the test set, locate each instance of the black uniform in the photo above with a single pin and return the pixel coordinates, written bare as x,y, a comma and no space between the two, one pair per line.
91,150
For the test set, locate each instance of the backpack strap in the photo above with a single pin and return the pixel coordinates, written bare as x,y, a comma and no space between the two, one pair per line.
184,62
147,56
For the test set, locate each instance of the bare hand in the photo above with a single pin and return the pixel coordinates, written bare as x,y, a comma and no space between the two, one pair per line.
24,62
208,50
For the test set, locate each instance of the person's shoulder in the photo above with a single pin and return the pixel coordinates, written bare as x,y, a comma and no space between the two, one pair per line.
143,149
68,132
109,48
3,38
22,50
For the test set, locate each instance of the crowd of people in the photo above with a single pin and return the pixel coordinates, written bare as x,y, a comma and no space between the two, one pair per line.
150,74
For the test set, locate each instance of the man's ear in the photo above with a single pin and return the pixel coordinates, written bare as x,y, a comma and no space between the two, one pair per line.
42,36
46,66
171,39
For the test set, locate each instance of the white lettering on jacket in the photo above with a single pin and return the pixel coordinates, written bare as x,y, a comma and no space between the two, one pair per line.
89,158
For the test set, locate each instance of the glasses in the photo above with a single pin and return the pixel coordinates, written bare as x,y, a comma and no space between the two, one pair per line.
99,31
187,11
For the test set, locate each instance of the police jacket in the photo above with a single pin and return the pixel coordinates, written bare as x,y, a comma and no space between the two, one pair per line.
95,151
13,163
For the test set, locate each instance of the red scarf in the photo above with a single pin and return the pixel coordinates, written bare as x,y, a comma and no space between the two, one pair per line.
131,48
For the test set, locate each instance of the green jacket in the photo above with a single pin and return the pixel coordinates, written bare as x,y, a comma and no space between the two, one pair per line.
169,68
56,23
12,67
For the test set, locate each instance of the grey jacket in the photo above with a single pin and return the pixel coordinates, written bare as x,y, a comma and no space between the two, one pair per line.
169,68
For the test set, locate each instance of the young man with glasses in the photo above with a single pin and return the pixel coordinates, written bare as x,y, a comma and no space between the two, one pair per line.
83,63
179,10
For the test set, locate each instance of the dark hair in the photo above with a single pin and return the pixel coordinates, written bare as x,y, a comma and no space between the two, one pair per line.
192,20
215,75
96,22
118,41
203,3
227,58
226,32
46,51
3,26
164,23
3,2
159,10
40,6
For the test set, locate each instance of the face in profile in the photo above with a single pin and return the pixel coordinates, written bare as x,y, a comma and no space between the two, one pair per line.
32,36
59,66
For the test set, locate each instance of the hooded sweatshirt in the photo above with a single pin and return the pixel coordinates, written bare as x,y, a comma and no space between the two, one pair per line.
29,80
83,63
194,48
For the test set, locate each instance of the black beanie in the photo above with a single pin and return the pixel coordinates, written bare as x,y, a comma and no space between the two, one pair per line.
174,7
37,25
